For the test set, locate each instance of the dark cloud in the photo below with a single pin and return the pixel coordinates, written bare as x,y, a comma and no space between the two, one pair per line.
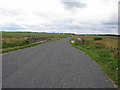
71,5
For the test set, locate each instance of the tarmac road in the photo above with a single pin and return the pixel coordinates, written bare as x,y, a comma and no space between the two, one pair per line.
54,64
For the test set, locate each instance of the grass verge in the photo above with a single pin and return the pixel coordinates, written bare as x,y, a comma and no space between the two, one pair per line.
103,58
20,47
28,45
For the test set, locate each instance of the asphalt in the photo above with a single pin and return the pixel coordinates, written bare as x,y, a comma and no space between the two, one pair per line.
54,64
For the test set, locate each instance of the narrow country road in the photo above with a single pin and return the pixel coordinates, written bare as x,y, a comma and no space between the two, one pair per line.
54,64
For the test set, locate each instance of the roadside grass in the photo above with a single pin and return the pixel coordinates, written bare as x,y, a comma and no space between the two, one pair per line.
13,39
19,47
110,43
101,55
11,43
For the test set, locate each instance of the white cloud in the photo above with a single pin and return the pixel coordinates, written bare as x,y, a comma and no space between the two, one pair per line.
83,16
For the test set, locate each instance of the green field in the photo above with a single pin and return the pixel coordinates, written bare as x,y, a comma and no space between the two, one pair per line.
16,40
29,34
104,50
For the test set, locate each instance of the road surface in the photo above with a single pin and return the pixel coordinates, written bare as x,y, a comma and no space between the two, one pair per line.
53,64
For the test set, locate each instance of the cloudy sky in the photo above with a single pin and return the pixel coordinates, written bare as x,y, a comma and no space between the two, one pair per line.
71,16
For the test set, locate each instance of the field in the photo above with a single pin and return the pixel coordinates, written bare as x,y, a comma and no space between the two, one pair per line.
104,50
17,40
29,34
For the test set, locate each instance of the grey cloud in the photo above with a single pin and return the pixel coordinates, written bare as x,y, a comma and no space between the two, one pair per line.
71,5
12,27
110,23
64,25
67,25
113,21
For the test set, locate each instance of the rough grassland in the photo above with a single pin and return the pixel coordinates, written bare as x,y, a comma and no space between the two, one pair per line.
17,40
104,51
